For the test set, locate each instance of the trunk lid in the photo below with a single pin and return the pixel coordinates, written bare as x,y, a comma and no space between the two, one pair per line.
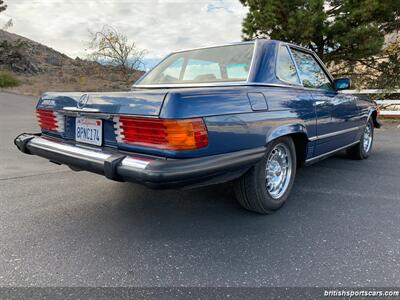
143,102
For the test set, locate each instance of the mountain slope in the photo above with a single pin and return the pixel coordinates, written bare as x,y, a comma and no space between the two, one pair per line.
40,68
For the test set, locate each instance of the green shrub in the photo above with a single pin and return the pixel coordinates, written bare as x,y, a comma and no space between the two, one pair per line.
8,80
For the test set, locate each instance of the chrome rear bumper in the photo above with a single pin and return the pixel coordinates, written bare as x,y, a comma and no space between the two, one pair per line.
155,172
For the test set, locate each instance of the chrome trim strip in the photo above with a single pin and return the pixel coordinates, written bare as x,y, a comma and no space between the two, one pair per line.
135,163
330,152
93,115
223,84
68,150
96,115
96,156
189,85
293,86
324,136
84,109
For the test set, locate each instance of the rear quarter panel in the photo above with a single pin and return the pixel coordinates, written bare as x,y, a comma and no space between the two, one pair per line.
233,124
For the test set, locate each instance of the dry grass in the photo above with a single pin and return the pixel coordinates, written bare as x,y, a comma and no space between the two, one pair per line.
72,79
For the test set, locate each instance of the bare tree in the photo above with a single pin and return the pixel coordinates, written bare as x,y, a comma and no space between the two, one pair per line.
112,47
8,25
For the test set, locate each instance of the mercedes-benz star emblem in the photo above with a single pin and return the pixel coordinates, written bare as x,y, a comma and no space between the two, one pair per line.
83,100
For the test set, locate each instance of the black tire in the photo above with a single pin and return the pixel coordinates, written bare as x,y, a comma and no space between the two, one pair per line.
358,151
251,189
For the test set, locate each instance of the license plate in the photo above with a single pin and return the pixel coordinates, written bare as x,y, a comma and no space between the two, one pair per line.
89,131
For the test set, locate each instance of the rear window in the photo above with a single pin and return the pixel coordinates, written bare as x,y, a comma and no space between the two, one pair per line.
217,64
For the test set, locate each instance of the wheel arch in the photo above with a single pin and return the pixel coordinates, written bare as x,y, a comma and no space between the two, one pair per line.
299,135
374,115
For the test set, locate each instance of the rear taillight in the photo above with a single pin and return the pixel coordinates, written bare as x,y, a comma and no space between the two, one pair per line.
188,134
50,120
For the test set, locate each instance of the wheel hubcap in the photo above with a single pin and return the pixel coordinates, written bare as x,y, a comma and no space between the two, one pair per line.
278,171
367,139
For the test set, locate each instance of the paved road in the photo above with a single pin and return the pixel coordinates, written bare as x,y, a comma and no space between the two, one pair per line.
61,228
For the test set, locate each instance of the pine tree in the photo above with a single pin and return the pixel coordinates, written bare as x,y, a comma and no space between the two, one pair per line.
2,6
337,30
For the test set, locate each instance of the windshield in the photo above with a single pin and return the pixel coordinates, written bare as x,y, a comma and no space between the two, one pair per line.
217,64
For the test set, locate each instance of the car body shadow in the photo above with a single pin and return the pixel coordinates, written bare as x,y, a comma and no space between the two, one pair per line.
209,213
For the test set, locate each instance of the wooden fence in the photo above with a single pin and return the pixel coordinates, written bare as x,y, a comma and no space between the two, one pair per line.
387,108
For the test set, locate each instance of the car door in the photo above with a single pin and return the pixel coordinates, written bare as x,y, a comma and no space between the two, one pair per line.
336,113
296,98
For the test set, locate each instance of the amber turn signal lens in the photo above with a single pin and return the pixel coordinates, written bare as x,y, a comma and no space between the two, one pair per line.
186,134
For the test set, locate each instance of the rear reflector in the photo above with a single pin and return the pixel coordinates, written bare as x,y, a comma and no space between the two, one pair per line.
50,120
187,134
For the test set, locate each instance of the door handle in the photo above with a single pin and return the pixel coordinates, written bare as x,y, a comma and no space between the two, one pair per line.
321,102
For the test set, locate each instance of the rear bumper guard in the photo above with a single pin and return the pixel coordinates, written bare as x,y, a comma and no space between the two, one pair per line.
155,172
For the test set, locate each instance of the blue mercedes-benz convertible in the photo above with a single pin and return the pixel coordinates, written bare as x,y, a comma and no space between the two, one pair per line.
250,112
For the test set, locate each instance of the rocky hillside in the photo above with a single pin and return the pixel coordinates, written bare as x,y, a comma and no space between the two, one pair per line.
40,68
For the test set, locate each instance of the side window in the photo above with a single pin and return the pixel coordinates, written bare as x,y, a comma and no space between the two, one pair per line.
311,73
285,69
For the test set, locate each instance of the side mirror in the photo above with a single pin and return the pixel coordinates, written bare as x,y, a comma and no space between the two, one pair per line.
342,83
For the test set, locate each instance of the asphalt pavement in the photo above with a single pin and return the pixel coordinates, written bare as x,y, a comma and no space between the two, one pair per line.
340,227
